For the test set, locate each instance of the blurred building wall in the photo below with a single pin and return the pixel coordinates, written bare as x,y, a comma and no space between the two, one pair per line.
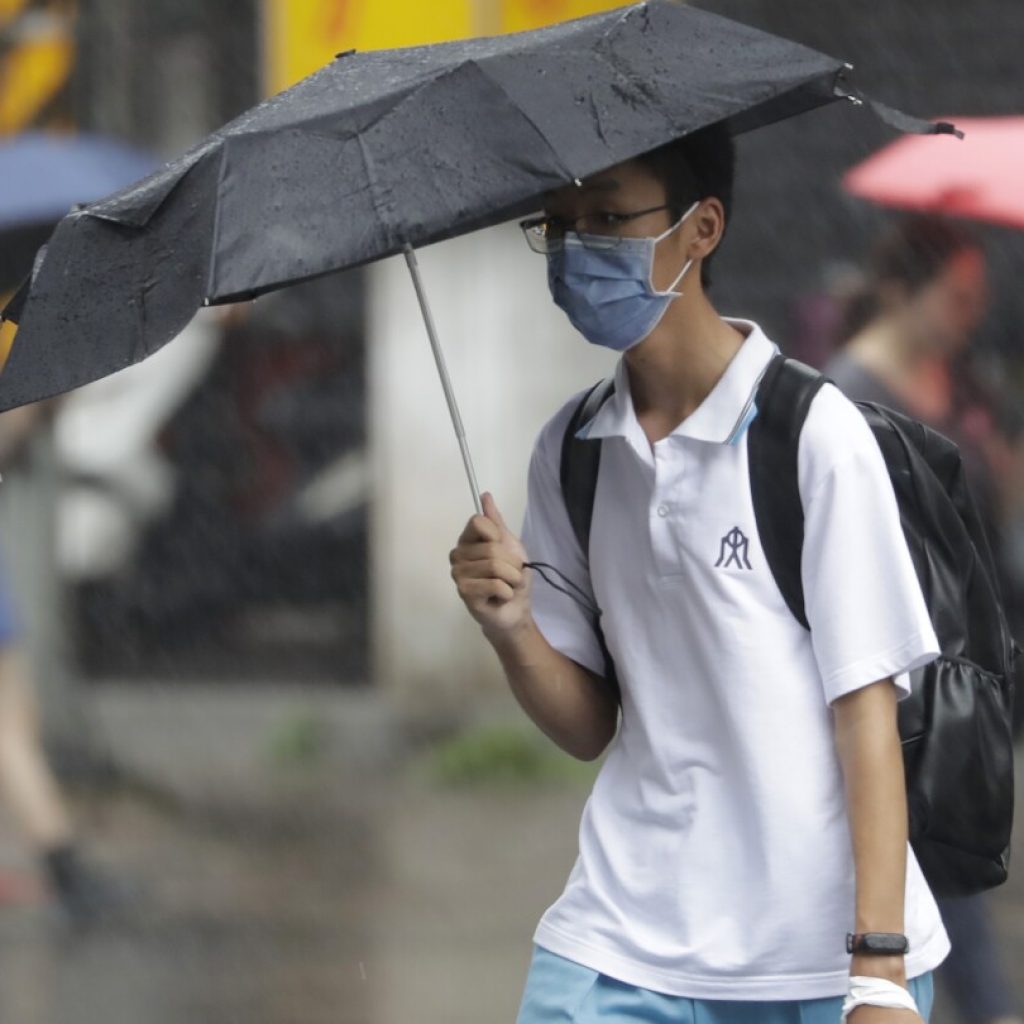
513,360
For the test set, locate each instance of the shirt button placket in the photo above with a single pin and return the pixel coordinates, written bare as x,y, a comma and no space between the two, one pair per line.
661,507
661,536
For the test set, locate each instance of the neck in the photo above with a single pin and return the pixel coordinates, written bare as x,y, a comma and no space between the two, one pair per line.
887,346
915,372
674,370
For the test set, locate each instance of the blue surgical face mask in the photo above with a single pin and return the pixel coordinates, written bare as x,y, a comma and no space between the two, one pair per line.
607,293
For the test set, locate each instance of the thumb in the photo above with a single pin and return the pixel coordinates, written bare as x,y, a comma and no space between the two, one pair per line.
491,511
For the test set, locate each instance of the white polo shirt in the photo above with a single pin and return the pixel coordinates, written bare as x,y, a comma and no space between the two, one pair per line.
715,857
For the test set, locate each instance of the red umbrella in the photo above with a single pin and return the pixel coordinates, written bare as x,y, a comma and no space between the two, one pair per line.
980,176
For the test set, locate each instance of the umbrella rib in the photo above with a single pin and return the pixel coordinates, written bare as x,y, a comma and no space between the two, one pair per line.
568,174
371,187
388,226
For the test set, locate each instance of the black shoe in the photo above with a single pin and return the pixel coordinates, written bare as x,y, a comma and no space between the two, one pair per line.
86,896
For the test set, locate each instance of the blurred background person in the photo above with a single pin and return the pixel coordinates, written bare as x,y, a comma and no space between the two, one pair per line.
905,343
28,785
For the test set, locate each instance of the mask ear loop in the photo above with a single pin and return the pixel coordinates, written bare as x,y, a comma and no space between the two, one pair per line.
682,273
668,231
670,290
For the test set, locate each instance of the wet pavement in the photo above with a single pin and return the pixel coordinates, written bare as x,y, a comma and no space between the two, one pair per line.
343,894
293,888
230,921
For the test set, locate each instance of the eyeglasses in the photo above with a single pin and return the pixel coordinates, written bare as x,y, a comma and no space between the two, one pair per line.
601,230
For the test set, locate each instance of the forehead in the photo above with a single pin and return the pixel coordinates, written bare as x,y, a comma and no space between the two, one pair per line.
627,180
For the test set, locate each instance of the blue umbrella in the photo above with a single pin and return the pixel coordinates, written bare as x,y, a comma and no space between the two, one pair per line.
44,175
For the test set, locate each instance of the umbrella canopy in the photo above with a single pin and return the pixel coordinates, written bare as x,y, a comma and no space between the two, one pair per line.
980,177
385,150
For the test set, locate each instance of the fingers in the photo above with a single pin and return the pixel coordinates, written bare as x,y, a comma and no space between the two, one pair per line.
483,551
488,527
487,564
481,591
488,568
480,529
491,511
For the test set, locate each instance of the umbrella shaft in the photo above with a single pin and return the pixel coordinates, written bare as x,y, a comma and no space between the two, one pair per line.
442,369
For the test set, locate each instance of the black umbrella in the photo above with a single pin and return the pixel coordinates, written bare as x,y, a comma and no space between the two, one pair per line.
380,152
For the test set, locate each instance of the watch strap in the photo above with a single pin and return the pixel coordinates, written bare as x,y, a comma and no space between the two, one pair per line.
878,943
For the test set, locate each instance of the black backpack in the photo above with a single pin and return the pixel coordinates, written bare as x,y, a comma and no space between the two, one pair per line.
955,726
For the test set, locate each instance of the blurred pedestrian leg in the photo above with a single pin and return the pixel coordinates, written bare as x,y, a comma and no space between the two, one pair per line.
33,794
28,784
30,650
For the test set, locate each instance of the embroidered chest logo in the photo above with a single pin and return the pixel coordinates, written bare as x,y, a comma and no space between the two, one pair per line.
734,550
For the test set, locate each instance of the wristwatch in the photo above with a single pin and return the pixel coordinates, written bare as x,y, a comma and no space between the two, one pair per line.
878,943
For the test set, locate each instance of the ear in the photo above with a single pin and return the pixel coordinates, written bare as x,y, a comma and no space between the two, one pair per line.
707,230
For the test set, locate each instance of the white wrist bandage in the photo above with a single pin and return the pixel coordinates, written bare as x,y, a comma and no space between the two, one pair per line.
866,991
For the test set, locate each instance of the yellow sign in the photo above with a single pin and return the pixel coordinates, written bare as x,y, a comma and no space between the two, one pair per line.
9,8
30,77
520,15
303,35
38,63
7,332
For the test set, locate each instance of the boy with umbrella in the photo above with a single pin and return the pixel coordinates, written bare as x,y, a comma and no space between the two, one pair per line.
749,822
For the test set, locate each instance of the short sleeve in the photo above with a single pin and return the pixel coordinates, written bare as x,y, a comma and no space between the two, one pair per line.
864,604
549,539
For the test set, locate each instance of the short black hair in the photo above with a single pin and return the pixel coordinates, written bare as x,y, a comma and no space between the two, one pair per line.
697,166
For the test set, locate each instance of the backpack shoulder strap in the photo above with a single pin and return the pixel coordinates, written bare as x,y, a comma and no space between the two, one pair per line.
581,462
784,398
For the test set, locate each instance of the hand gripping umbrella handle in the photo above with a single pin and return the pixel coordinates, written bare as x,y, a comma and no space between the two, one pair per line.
442,369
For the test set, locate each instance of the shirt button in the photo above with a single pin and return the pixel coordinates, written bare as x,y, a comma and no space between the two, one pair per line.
663,511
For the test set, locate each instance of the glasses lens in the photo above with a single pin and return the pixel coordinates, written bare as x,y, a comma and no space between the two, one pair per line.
540,236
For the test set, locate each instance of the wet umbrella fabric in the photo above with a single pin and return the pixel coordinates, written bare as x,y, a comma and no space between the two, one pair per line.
978,178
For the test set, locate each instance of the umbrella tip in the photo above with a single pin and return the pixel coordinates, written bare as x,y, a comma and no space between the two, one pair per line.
948,128
577,182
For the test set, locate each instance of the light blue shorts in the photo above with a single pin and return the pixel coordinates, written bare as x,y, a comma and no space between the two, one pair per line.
561,991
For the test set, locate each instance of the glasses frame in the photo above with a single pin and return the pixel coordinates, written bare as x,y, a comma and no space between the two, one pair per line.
591,240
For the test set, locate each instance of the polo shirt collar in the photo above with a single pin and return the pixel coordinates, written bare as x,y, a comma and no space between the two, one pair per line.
721,418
